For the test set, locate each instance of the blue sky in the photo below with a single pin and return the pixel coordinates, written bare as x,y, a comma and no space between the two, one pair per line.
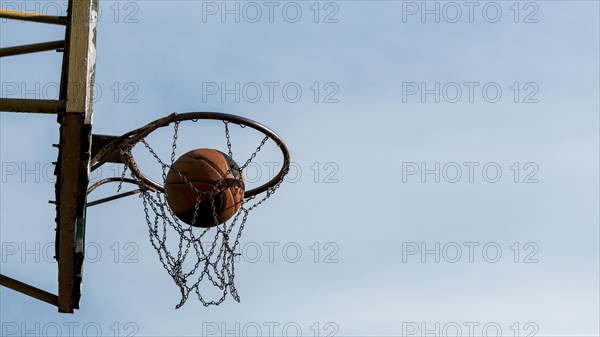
359,211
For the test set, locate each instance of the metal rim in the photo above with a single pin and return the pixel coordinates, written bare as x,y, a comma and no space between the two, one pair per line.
131,138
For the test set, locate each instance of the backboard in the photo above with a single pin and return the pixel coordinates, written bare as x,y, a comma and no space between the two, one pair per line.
74,149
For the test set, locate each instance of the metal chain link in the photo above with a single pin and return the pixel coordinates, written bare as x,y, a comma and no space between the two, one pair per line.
228,137
123,153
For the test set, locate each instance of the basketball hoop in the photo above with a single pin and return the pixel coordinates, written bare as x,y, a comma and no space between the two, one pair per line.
179,245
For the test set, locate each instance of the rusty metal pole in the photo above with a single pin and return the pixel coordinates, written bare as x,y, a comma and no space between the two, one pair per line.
26,289
31,48
32,105
33,17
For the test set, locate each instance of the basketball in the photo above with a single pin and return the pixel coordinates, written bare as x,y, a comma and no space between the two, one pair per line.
211,178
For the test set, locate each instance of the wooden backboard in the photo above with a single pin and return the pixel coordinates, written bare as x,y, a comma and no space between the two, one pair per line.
73,164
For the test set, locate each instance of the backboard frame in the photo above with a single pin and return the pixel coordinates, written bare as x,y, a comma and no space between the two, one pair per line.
74,111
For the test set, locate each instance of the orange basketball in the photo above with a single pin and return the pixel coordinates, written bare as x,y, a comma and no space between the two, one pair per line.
216,179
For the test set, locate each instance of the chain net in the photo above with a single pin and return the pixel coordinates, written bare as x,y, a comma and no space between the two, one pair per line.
197,259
